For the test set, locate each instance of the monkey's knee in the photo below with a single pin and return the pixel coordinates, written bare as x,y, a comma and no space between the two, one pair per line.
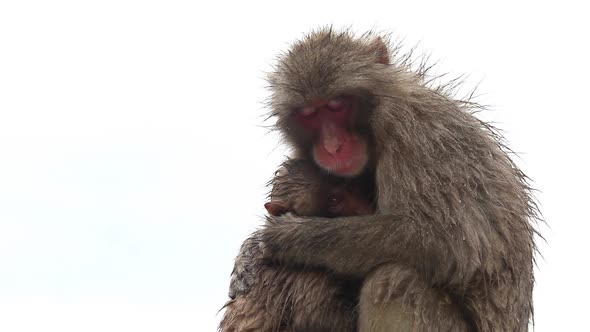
381,306
395,298
389,282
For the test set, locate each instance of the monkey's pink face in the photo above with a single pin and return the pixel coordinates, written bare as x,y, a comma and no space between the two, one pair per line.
337,148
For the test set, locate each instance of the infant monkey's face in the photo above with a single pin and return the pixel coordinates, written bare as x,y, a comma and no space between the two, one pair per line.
301,188
346,201
323,200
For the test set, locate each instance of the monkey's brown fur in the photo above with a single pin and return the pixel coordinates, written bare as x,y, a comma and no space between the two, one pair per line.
451,204
291,299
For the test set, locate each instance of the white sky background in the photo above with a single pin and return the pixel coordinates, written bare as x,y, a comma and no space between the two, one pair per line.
133,161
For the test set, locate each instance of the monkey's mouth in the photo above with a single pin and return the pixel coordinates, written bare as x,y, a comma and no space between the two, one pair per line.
348,160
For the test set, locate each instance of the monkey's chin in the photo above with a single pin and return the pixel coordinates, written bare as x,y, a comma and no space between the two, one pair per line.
349,164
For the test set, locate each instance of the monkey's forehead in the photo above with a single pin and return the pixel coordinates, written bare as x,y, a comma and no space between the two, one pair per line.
324,64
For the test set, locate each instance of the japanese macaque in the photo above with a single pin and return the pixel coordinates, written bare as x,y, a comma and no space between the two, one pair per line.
291,299
451,206
300,188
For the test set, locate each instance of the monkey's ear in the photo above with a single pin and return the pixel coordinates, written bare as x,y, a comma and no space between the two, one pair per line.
381,51
276,208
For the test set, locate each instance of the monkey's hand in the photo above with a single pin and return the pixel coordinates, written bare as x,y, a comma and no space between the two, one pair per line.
247,266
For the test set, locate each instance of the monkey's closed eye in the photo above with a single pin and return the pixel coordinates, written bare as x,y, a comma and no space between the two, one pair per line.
307,111
340,103
336,104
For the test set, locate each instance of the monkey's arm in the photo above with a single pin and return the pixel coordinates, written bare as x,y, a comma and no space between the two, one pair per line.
355,245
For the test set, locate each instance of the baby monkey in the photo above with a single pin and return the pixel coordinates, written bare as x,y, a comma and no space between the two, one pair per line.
292,299
301,188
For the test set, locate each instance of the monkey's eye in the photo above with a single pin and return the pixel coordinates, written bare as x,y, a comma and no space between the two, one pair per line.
307,111
307,117
336,104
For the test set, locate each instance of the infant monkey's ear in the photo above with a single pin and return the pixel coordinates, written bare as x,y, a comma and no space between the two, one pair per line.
276,208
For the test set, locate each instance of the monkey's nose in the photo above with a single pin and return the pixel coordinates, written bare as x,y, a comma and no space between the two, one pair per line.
332,145
332,138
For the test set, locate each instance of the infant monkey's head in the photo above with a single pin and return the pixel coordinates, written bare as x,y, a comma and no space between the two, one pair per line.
301,188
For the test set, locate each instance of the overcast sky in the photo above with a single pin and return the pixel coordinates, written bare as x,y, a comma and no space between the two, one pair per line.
133,153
